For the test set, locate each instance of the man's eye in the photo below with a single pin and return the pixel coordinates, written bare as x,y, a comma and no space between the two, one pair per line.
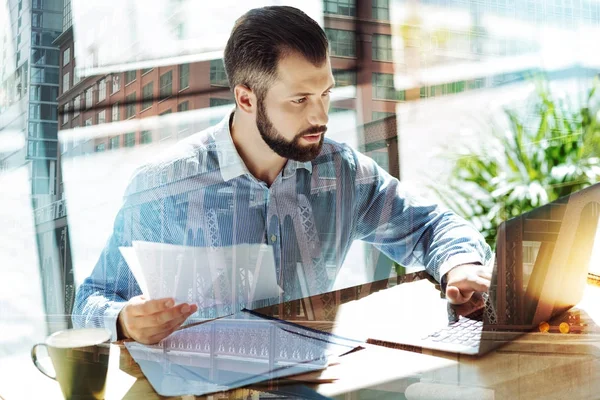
327,93
299,101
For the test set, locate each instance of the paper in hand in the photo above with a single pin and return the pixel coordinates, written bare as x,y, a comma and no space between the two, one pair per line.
222,277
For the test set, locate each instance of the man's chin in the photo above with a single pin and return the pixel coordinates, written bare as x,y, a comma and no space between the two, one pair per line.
308,153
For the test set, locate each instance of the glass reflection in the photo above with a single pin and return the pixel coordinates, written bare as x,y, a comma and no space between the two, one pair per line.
232,352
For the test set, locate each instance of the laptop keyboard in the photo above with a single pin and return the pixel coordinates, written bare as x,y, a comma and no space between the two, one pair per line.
466,331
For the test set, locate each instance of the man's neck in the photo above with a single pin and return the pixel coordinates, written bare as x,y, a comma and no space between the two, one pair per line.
262,162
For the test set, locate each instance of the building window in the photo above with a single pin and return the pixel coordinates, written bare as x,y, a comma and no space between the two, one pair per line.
116,112
36,20
215,102
116,84
45,57
183,106
165,131
344,77
342,43
44,75
43,93
184,126
340,7
88,98
101,89
377,115
129,140
131,105
88,122
335,110
67,19
100,148
184,76
218,76
76,78
102,117
65,118
383,87
146,70
146,137
147,94
66,81
382,48
130,77
43,111
180,31
381,10
114,142
166,84
76,105
476,83
66,56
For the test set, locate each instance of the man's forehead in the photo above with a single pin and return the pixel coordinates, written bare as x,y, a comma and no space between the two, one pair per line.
297,73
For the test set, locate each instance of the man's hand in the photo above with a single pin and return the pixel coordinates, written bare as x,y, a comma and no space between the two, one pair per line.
150,321
464,280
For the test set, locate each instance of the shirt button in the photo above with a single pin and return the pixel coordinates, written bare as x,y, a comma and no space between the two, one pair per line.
273,238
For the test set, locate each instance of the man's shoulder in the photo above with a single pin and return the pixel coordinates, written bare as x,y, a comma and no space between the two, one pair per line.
334,151
361,166
176,162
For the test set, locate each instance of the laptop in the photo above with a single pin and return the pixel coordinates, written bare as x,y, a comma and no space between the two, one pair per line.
540,272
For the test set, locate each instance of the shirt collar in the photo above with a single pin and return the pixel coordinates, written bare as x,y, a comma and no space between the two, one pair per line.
231,164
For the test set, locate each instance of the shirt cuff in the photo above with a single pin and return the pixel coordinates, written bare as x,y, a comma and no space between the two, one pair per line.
455,261
111,315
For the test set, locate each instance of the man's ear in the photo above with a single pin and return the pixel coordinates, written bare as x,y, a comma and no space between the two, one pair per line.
245,98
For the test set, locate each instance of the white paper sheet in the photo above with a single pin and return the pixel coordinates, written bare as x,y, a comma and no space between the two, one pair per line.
208,277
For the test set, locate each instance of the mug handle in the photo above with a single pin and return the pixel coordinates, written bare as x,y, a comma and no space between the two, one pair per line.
34,358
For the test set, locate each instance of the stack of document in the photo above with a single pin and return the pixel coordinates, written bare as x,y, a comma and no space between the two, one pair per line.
219,280
234,351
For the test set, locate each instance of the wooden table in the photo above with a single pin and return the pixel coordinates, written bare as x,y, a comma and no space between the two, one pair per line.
567,366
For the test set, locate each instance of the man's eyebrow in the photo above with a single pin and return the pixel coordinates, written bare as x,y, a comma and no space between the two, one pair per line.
310,94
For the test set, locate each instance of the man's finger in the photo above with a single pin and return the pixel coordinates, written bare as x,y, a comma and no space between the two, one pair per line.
164,317
156,333
152,306
157,337
479,284
485,273
456,296
475,283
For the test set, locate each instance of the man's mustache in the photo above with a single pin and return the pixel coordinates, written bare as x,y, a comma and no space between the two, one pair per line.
313,130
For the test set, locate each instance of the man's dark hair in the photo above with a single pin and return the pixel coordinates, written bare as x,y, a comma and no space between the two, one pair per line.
262,37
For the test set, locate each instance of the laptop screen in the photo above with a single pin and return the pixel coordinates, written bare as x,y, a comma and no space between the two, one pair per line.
542,260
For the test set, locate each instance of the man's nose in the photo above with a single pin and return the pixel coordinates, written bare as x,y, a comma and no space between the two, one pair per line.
318,114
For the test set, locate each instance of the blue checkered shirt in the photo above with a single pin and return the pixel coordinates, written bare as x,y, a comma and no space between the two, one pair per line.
201,194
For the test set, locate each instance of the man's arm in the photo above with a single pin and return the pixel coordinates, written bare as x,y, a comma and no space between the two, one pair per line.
105,292
412,231
110,297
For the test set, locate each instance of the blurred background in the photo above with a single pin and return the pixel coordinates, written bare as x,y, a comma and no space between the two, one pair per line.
489,106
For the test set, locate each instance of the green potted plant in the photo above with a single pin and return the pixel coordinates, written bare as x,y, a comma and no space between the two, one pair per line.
531,161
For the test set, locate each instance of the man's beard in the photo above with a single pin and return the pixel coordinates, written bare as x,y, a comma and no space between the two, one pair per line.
288,149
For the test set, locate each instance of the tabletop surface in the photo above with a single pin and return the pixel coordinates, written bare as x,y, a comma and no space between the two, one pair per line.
537,365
